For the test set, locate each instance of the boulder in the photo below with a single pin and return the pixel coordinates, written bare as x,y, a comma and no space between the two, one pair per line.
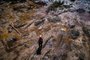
72,0
54,19
11,42
41,3
80,10
71,26
39,22
74,34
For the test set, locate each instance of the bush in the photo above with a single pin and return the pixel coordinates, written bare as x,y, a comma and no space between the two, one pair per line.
54,5
57,4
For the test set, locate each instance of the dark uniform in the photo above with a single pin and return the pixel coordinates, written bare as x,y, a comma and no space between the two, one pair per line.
40,42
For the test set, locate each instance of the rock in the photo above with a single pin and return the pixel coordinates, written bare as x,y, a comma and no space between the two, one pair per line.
71,26
54,19
86,30
39,22
66,6
80,10
72,0
41,3
74,34
11,42
54,5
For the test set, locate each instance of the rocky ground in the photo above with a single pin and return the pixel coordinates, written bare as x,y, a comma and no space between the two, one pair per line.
65,30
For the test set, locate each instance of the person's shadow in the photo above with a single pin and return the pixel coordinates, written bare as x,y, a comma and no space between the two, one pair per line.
38,52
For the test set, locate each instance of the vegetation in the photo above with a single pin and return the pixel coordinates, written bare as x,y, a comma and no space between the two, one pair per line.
56,5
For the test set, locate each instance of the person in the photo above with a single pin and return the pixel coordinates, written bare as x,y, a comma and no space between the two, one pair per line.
40,42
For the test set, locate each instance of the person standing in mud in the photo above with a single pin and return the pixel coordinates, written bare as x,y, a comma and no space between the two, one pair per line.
40,42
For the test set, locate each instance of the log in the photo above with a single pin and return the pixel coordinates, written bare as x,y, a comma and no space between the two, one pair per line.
29,24
46,41
15,29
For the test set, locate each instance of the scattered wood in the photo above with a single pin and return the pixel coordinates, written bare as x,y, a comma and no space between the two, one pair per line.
29,24
22,25
60,40
15,29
